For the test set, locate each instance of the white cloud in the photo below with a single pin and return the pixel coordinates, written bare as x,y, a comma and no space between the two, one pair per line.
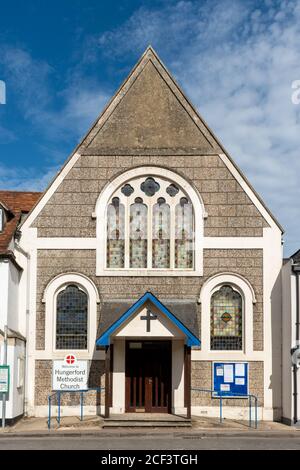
53,118
62,114
26,179
235,59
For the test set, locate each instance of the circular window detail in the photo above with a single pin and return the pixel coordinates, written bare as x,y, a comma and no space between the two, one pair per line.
172,190
150,186
127,190
226,317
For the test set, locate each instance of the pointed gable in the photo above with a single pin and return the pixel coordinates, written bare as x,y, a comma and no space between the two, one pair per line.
150,112
150,116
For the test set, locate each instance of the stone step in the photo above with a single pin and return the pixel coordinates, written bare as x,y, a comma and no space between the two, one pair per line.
151,420
145,424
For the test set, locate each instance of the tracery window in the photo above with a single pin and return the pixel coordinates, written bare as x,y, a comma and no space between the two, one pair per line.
115,234
226,319
71,318
150,225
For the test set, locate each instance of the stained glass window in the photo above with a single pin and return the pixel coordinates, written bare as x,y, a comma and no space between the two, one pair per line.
150,225
115,234
161,234
71,318
184,248
138,234
226,319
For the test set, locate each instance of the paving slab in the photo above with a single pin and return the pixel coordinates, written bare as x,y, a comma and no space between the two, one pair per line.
93,426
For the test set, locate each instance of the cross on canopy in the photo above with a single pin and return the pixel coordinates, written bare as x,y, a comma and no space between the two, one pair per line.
150,316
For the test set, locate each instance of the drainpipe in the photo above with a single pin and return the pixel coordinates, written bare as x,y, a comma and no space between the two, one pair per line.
26,368
296,270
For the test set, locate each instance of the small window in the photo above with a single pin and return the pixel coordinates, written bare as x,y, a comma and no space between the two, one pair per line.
226,319
71,318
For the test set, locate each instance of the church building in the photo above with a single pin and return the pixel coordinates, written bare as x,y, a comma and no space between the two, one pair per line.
151,257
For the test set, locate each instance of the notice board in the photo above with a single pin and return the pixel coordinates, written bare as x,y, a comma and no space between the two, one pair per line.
230,378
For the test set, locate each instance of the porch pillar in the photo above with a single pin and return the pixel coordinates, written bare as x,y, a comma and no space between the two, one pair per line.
107,381
187,380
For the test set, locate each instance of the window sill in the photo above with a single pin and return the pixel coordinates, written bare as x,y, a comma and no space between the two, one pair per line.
149,272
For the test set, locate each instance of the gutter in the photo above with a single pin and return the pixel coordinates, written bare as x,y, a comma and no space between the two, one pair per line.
8,255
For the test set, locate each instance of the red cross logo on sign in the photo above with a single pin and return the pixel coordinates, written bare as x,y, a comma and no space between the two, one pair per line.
70,359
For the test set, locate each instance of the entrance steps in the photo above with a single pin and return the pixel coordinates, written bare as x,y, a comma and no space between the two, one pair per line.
146,420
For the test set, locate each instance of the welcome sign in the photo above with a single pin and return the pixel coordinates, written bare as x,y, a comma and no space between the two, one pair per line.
70,374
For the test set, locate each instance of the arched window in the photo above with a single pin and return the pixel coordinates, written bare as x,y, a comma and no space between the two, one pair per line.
71,318
226,319
138,234
184,234
150,225
161,234
115,234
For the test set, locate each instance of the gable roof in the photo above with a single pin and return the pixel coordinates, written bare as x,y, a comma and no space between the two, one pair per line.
296,257
191,338
16,204
131,110
150,113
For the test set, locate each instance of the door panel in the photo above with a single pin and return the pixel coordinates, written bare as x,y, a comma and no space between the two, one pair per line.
148,376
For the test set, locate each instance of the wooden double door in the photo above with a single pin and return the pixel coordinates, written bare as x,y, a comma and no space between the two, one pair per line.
148,366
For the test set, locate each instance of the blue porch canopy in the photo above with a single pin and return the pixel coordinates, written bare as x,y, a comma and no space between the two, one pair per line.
191,338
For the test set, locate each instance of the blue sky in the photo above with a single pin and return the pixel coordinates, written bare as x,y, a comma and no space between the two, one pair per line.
236,60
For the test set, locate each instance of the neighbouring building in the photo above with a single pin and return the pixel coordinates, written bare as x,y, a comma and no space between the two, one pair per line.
14,206
151,257
291,340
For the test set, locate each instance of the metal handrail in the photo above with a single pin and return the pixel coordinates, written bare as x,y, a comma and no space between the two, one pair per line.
58,393
222,395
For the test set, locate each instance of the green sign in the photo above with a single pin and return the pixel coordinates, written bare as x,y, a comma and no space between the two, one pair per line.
4,379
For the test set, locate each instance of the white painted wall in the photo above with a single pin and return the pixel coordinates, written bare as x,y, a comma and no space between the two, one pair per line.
178,377
272,297
119,377
13,297
9,315
162,327
15,402
286,341
4,275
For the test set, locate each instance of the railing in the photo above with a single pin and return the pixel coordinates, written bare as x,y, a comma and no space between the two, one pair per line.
223,395
56,396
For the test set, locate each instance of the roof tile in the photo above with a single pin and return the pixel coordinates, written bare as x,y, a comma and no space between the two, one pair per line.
18,203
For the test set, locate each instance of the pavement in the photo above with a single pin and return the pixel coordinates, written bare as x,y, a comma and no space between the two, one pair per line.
92,426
